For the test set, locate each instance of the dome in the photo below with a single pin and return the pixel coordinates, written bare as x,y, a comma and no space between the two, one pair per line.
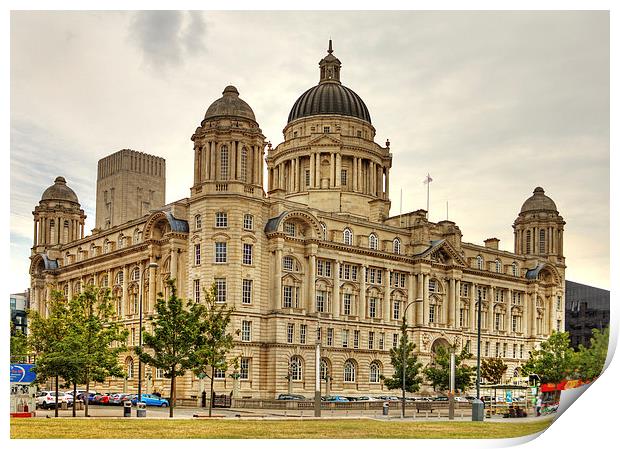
230,105
60,191
329,96
539,201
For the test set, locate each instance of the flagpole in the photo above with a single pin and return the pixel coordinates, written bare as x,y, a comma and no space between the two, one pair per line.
401,207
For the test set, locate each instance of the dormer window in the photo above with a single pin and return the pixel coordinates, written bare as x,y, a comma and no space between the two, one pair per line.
347,237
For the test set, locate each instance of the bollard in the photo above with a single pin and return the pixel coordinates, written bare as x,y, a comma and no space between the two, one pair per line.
127,409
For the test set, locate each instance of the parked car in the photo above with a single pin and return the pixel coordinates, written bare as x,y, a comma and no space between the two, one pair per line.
291,397
47,399
337,399
368,399
440,398
390,398
471,398
460,399
118,398
150,399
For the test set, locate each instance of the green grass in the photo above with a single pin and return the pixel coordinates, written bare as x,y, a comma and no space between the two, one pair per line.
219,428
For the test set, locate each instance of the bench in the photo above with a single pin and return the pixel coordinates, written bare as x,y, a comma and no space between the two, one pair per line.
426,406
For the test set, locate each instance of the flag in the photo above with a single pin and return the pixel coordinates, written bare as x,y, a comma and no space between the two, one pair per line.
428,179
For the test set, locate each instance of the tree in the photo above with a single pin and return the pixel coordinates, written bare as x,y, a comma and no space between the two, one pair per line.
94,339
19,345
493,369
555,360
214,341
404,351
173,338
437,372
45,340
591,360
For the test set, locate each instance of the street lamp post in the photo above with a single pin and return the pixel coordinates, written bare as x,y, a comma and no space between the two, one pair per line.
404,358
477,408
317,379
140,290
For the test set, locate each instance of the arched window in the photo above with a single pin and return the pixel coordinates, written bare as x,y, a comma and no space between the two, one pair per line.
515,269
65,232
136,236
396,245
347,236
480,263
373,242
106,246
528,242
324,369
324,229
135,274
375,373
129,368
224,163
349,371
498,266
104,280
121,239
119,278
542,246
66,291
52,232
244,164
198,222
295,368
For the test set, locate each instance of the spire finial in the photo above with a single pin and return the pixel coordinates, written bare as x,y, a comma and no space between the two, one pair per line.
329,50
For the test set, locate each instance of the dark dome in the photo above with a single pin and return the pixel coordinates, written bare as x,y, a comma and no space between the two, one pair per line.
329,98
539,201
230,105
60,191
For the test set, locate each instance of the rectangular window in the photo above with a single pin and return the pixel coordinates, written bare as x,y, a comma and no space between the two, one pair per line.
248,222
330,336
133,337
464,290
220,252
244,368
514,323
461,317
197,290
394,340
320,301
499,295
290,332
481,293
197,254
318,334
559,325
326,129
220,290
324,268
371,340
221,220
246,330
496,349
505,350
247,254
303,329
498,320
287,296
289,228
159,373
345,338
382,340
514,351
356,339
372,307
521,352
396,310
432,286
486,348
246,294
219,374
347,304
431,313
343,177
307,178
198,222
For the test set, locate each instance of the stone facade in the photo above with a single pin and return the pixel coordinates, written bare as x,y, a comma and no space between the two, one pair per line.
317,255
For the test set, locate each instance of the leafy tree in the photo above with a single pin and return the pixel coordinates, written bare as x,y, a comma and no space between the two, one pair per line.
19,345
591,360
94,339
493,369
437,372
555,361
214,342
173,338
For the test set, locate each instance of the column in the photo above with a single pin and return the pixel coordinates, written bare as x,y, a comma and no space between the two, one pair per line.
372,178
213,160
312,167
457,304
151,299
362,310
238,161
332,169
507,321
207,158
354,174
197,163
379,181
451,301
317,170
297,175
338,169
124,304
419,305
473,313
387,309
174,256
232,161
552,311
311,283
411,299
336,291
532,315
277,281
387,183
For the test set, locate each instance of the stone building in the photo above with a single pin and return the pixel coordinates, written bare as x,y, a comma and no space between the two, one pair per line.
316,254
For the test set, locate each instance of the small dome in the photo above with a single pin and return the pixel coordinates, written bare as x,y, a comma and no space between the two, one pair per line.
230,105
60,191
539,202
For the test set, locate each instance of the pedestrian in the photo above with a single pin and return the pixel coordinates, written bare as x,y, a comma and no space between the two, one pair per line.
538,405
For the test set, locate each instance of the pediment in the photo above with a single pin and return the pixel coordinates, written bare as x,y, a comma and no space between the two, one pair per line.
441,251
325,140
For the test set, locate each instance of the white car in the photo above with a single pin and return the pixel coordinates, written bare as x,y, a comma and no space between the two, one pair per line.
47,399
460,399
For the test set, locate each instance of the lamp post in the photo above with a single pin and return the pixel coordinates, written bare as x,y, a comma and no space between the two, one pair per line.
404,358
140,290
317,378
452,382
477,407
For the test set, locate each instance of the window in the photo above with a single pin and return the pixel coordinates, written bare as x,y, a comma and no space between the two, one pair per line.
321,301
558,303
295,368
394,340
521,352
346,304
220,290
129,364
381,340
396,313
345,338
318,334
372,307
347,237
515,269
396,246
290,332
219,374
159,373
373,241
289,228
432,286
356,339
247,254
121,240
330,336
244,368
505,349
119,278
221,220
135,274
248,222
324,369
246,330
244,164
326,129
349,371
375,373
324,268
197,254
498,266
486,348
371,340
104,281
497,346
464,290
197,290
498,321
343,177
220,252
359,133
499,295
542,242
324,230
461,317
133,336
514,323
348,272
224,163
528,242
431,313
246,294
559,325
290,297
480,263
198,222
514,350
303,330
307,178
287,263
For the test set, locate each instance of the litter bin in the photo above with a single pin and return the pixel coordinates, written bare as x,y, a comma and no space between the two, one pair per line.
141,411
63,406
127,409
386,408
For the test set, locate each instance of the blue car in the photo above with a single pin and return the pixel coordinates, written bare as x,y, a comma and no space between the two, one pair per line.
337,399
150,399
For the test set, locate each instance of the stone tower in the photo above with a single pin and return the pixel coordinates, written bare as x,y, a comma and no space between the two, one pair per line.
129,185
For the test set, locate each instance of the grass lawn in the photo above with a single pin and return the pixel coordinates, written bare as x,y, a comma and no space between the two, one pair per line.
219,428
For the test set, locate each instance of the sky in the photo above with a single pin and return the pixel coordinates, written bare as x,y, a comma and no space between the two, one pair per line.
491,104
